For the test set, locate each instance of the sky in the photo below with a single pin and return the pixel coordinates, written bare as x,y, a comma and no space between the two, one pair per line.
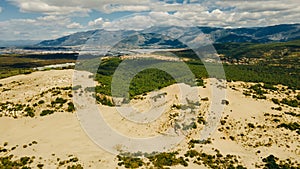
50,19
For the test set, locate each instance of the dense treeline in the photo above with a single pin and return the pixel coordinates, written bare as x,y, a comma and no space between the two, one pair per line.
154,78
262,73
71,56
258,50
14,64
156,75
248,50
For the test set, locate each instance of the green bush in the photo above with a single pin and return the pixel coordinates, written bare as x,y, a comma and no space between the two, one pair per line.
290,126
269,86
272,162
276,101
59,100
130,162
29,112
104,100
41,102
292,103
46,112
251,125
76,87
71,107
40,166
77,166
166,159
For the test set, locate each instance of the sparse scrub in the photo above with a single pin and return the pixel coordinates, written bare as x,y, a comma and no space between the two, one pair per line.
290,126
130,162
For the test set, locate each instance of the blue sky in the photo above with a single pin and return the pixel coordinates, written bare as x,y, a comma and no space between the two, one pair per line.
48,19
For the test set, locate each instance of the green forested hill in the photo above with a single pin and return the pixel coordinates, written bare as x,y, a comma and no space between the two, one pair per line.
259,50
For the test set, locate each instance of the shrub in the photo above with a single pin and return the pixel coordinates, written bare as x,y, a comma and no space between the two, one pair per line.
40,166
104,100
78,166
269,86
130,162
192,125
259,97
251,125
71,107
271,162
276,101
292,103
278,108
226,102
41,102
75,159
232,138
257,89
46,112
29,112
290,126
24,160
201,120
292,114
166,159
76,87
223,122
59,100
192,153
204,99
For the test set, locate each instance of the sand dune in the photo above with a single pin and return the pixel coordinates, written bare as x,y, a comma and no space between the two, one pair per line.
248,129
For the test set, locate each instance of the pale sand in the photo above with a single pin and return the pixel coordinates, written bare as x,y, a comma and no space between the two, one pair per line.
62,135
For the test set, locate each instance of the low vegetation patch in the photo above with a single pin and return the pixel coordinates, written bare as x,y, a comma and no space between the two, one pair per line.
130,162
214,161
7,162
272,162
46,112
290,126
292,102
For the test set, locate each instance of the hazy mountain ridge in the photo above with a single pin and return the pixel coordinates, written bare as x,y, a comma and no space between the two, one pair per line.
16,43
277,33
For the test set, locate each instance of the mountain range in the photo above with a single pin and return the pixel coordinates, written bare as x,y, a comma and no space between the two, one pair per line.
153,37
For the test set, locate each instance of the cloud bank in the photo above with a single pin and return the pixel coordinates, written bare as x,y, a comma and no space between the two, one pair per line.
57,16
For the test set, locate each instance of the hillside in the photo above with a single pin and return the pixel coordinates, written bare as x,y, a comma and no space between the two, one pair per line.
258,50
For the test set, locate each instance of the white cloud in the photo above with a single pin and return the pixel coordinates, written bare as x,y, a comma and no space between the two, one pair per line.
116,8
80,6
47,27
135,22
204,11
43,6
58,14
74,25
96,23
0,9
